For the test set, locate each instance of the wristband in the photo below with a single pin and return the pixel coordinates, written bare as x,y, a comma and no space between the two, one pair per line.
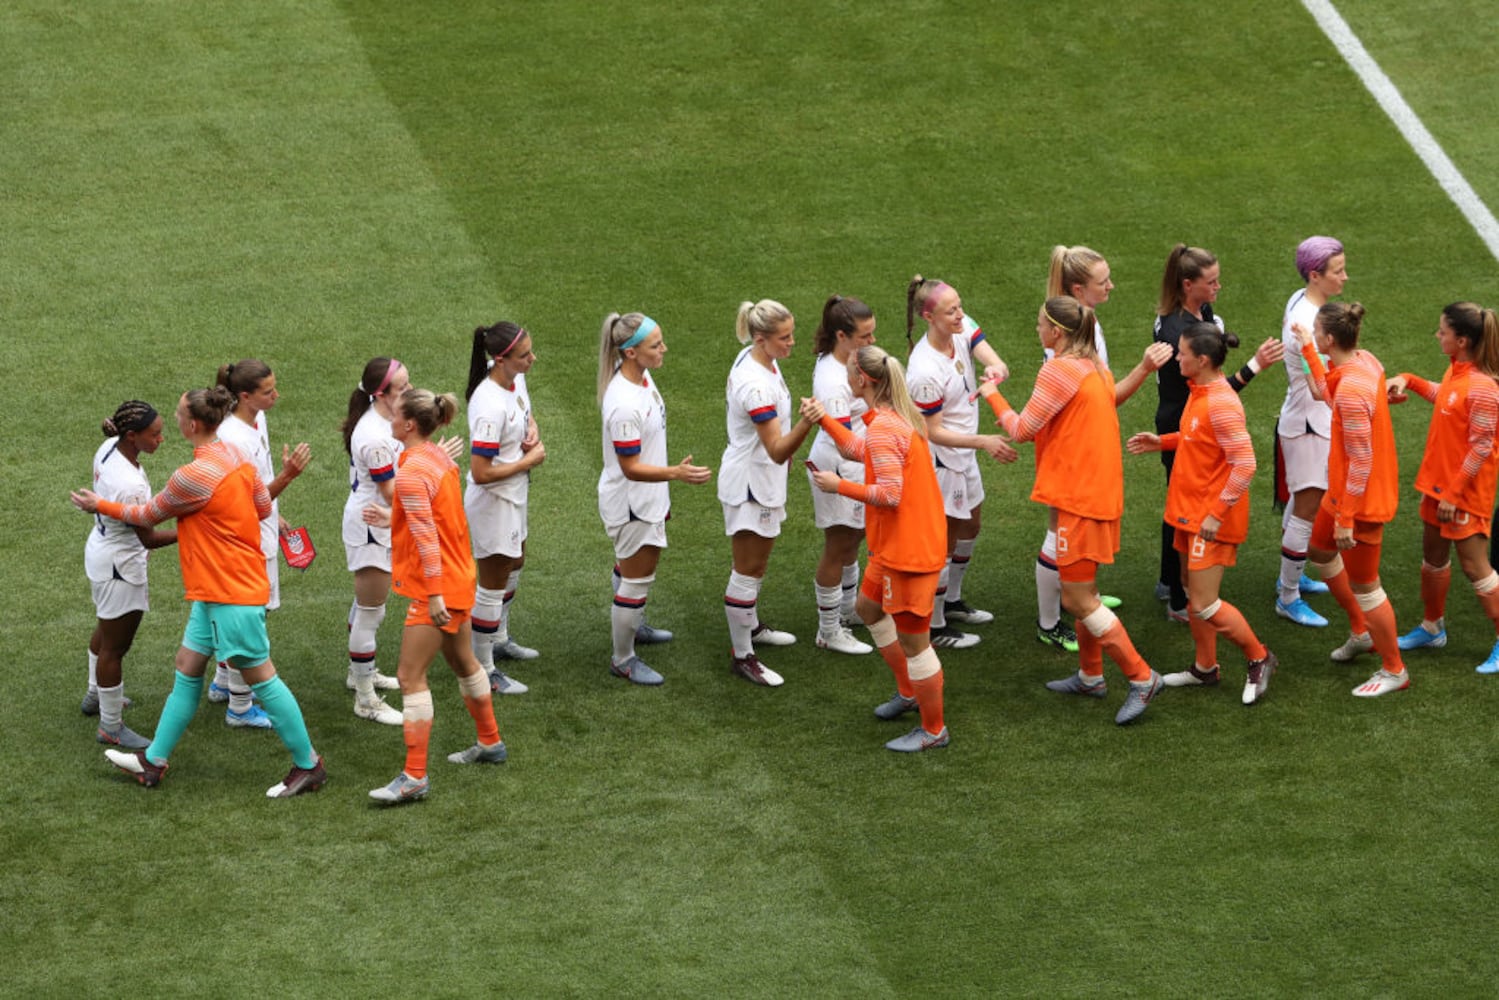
1253,365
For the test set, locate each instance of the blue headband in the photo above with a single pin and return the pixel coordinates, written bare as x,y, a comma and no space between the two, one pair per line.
647,326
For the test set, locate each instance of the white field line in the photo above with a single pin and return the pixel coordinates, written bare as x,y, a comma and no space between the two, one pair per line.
1421,140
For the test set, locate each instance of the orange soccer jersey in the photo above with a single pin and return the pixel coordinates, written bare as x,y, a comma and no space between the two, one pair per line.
1363,473
1460,463
1214,463
429,541
218,500
904,518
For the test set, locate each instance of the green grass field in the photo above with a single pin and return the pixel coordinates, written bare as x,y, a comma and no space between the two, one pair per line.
314,183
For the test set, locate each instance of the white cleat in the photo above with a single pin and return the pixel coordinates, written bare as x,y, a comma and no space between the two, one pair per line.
377,711
843,641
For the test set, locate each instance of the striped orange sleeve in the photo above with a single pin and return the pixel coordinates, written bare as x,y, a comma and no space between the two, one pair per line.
416,491
1317,369
1421,387
1056,384
188,490
1354,408
1238,452
1483,418
849,444
886,443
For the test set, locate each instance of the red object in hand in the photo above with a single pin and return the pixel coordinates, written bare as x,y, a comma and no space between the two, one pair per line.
297,547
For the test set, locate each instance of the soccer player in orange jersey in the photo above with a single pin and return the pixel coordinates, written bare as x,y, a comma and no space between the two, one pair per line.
219,500
1080,472
1207,505
905,522
432,564
1363,488
1458,468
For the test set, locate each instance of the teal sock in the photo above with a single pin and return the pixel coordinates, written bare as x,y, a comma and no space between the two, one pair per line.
286,715
181,706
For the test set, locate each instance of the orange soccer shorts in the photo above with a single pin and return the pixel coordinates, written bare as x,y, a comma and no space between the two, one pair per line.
906,597
1361,561
1463,524
1084,540
417,614
1199,553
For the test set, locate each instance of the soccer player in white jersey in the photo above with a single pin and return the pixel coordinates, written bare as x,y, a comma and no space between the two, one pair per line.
1304,431
634,499
847,325
115,559
944,385
372,471
504,446
254,388
752,476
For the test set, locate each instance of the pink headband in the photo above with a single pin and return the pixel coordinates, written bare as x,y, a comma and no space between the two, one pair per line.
518,336
394,369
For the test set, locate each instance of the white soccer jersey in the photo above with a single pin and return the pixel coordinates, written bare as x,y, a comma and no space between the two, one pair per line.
1300,408
754,395
497,423
372,461
634,421
830,386
113,547
946,385
255,443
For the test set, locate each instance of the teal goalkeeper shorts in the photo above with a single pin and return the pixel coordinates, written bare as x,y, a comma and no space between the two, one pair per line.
233,633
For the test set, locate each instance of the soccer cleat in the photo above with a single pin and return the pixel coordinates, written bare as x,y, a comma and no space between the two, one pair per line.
636,671
1356,646
948,637
1182,617
1140,694
1193,676
1162,591
1257,677
751,669
918,740
843,641
1300,612
959,611
253,717
217,693
480,754
1383,682
403,789
1059,635
893,709
647,635
1420,638
502,683
299,780
137,766
1074,684
764,635
122,736
90,703
512,650
852,620
383,682
377,711
1109,601
1491,665
1310,586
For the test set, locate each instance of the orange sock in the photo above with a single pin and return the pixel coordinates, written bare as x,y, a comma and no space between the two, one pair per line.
1386,638
417,733
895,658
1490,604
1121,650
1089,652
1434,591
1342,591
929,702
1205,641
1230,623
482,710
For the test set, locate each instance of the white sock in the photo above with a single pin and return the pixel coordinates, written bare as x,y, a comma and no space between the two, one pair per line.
240,698
850,590
111,704
93,671
1297,534
626,613
511,585
739,600
829,607
364,623
1048,584
962,552
221,675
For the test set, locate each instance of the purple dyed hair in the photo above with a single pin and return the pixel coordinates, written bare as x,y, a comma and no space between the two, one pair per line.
1314,253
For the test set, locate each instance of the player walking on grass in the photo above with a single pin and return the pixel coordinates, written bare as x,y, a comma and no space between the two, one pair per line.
1303,433
254,388
115,559
1363,492
752,476
219,501
905,521
1080,474
432,565
847,324
1458,469
634,499
1189,287
504,447
1207,506
944,385
372,469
